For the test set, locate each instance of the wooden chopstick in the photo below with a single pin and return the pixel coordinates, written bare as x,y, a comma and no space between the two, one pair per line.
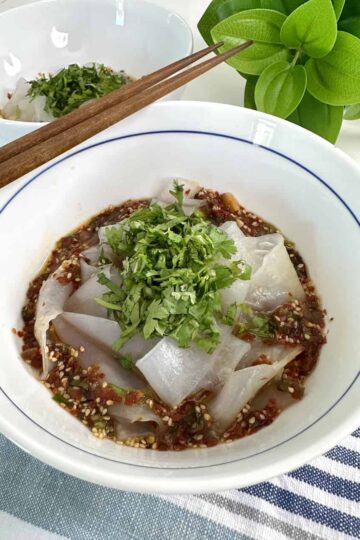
37,154
96,106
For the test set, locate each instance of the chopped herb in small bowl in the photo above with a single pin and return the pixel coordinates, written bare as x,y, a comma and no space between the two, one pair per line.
74,85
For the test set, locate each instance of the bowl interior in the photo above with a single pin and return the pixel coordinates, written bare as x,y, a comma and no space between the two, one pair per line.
306,209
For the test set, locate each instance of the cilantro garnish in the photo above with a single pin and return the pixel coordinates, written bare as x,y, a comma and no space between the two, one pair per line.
173,271
259,324
126,361
119,391
60,399
74,85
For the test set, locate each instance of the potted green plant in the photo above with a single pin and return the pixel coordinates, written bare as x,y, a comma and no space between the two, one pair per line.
304,64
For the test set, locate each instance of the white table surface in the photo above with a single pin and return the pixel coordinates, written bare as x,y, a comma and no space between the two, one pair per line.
222,84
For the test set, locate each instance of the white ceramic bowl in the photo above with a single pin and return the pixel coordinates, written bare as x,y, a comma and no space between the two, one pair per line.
290,177
47,35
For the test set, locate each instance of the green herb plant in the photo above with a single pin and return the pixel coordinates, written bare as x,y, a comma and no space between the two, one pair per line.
173,269
304,64
74,85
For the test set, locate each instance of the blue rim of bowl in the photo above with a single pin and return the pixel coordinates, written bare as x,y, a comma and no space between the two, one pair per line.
202,133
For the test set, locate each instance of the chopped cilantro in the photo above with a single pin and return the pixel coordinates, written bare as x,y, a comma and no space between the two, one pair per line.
119,391
74,85
126,361
60,399
259,324
230,316
173,269
79,384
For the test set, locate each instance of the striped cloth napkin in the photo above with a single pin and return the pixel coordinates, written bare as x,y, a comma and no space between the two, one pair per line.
318,501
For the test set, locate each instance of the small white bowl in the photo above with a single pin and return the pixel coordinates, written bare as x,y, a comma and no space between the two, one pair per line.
45,36
289,176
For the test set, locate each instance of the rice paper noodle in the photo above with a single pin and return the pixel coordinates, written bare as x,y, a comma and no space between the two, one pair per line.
242,386
133,413
21,107
273,353
87,270
104,332
95,355
238,291
127,430
274,280
83,299
92,254
225,358
133,420
52,297
175,373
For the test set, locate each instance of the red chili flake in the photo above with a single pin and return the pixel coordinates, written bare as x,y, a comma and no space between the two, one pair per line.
261,360
134,397
106,394
247,336
75,393
33,357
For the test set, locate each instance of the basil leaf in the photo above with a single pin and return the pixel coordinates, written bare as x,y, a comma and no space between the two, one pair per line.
335,79
351,25
312,28
338,7
260,25
280,89
324,120
249,96
219,10
256,58
352,112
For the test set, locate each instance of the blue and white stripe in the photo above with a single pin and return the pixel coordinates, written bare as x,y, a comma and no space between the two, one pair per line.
318,501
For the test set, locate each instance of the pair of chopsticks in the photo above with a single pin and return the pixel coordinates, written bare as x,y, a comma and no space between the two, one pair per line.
34,149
